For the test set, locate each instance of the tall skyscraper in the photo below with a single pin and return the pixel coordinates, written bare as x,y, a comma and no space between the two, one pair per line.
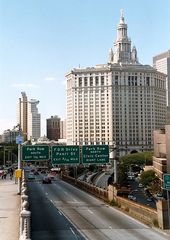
120,102
162,63
33,120
63,129
28,117
53,128
22,113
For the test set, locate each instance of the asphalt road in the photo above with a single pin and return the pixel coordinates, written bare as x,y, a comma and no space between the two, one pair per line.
56,206
47,222
140,194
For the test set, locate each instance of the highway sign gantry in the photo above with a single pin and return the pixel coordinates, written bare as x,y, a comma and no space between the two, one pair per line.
65,154
95,154
35,153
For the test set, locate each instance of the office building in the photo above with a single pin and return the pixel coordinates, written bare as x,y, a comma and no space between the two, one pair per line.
63,129
53,128
28,117
9,136
22,113
161,157
33,120
162,63
120,102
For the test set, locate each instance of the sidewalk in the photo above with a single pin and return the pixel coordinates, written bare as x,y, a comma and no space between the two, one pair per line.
9,210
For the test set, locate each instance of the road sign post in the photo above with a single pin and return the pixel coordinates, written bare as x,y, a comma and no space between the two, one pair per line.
19,141
65,155
95,154
35,153
166,186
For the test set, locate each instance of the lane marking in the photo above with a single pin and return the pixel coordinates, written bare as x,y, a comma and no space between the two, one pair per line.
60,213
72,231
90,211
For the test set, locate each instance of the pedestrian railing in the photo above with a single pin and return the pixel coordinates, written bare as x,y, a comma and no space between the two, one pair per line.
25,214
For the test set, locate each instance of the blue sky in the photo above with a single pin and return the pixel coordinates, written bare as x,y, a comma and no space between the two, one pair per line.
42,40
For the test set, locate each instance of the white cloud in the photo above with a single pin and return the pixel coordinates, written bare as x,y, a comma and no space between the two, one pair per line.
24,85
49,78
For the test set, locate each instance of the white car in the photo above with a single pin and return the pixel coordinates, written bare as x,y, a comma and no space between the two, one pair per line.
131,197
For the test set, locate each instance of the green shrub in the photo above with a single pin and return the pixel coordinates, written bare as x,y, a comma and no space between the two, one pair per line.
155,222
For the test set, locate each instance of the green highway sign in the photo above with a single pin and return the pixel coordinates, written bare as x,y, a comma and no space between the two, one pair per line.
65,154
35,153
166,181
95,154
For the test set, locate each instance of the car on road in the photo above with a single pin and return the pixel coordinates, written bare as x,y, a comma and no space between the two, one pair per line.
130,177
51,176
131,197
149,199
31,176
46,180
140,185
159,196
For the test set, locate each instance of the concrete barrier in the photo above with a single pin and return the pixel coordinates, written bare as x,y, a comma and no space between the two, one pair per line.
139,211
25,214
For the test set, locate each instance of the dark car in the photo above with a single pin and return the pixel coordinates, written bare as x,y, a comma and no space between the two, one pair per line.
30,176
46,180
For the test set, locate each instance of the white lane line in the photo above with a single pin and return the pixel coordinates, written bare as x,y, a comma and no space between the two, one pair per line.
90,211
60,212
72,231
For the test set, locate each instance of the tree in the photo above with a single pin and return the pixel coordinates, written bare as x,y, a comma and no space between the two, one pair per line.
140,159
122,175
149,179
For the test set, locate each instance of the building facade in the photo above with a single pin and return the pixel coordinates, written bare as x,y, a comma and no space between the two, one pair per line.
28,117
63,129
162,63
22,114
53,128
119,103
161,157
9,136
33,120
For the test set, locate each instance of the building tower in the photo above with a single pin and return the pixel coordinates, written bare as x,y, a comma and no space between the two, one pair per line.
120,102
22,114
63,129
33,120
53,128
162,63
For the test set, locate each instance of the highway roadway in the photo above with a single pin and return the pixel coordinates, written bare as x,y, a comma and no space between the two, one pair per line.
61,211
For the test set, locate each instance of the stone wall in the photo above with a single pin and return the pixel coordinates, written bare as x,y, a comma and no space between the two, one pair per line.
139,211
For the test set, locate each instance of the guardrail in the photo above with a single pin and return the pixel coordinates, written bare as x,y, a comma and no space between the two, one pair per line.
25,214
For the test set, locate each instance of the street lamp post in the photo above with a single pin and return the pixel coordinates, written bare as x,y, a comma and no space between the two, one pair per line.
19,141
4,157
